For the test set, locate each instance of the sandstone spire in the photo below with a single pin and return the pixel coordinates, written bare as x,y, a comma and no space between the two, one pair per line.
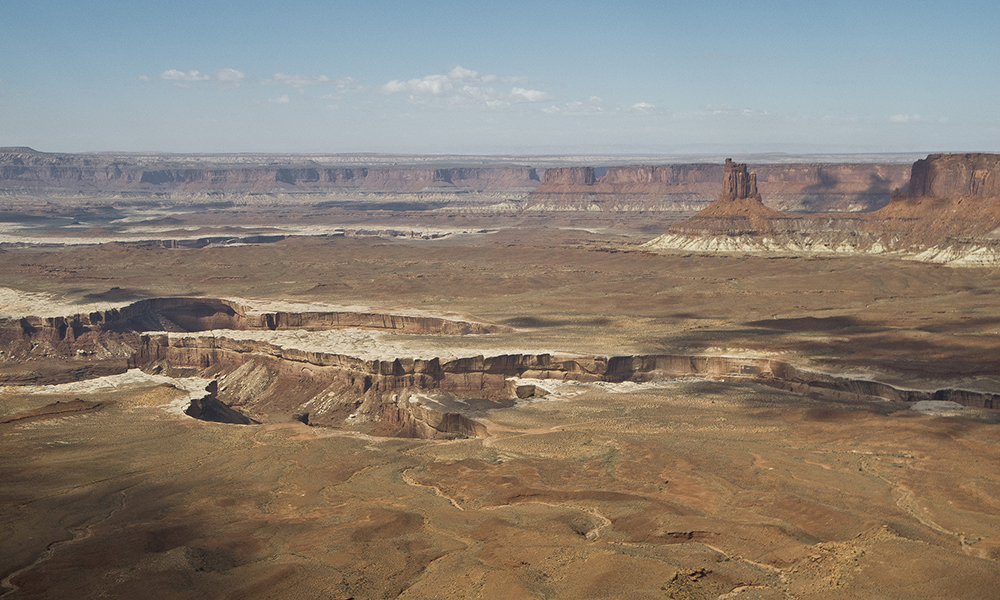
737,184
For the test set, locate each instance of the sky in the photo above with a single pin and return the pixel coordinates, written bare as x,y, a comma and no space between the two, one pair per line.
514,77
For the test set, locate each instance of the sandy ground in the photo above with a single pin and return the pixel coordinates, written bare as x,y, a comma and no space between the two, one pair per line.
683,489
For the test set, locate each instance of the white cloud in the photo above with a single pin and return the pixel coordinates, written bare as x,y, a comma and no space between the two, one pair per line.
190,76
529,95
642,108
296,81
591,106
459,74
229,76
463,87
435,85
143,78
905,118
282,99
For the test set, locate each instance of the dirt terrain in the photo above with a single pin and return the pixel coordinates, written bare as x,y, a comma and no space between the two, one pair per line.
659,486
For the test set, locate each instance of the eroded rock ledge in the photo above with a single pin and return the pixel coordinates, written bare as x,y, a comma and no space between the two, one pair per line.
358,382
202,314
337,389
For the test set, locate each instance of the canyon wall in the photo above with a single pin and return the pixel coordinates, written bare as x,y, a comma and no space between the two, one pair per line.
204,314
678,187
334,386
26,171
955,176
949,213
789,187
390,395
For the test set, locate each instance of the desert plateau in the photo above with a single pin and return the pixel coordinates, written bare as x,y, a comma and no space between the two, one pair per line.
375,376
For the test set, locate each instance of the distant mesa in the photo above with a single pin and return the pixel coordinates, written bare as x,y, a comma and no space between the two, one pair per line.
798,187
954,175
948,213
186,179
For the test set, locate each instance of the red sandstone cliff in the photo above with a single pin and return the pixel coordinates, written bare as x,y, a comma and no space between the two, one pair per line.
634,187
796,187
949,213
790,187
949,196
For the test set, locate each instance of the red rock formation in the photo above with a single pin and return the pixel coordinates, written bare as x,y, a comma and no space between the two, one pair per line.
23,170
635,187
794,187
737,184
739,209
949,196
955,176
949,213
801,187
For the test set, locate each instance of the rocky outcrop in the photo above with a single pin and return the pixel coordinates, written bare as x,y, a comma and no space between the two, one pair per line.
949,213
205,314
738,211
950,198
738,184
954,176
381,393
210,408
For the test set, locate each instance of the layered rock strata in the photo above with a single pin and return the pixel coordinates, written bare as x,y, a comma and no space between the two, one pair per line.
181,179
789,187
949,213
398,390
337,388
25,171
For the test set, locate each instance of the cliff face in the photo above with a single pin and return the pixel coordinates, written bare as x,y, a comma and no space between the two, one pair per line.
184,314
949,197
829,187
387,394
949,213
23,170
795,187
792,187
738,184
635,187
955,176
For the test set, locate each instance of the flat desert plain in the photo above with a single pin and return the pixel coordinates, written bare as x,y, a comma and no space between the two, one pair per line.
669,488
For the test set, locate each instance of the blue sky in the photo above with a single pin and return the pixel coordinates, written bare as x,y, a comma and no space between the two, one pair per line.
505,77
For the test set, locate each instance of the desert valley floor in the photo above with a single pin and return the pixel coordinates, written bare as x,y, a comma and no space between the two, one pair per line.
664,486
